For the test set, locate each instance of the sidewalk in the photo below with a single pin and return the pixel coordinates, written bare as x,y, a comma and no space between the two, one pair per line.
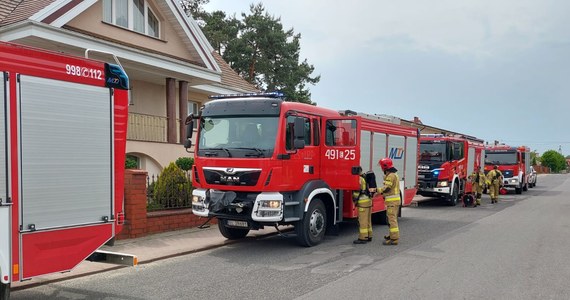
148,249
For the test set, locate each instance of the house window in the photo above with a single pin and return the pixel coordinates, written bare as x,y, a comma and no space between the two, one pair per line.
193,110
135,15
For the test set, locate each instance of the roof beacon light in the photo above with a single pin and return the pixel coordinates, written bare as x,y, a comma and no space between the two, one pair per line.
249,95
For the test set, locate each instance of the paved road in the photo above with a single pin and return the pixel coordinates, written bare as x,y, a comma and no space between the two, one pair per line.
512,250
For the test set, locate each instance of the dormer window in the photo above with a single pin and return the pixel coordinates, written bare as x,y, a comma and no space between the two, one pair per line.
136,15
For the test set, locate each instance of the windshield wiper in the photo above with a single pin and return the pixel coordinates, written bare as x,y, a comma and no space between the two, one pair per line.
212,154
258,154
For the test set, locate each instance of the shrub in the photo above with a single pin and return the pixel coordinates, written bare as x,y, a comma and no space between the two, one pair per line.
172,189
185,163
131,163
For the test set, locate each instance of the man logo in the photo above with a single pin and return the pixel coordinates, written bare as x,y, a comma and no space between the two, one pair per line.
396,153
230,171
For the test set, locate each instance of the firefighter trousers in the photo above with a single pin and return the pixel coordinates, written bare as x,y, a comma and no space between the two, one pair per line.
364,219
392,208
494,191
478,189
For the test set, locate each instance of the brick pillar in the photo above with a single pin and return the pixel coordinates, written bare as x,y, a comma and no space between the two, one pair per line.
171,110
183,107
135,205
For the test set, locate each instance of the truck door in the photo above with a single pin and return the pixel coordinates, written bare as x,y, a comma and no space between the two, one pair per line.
340,152
5,236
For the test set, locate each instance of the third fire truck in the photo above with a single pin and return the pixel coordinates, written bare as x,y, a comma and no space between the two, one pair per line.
261,161
444,164
513,162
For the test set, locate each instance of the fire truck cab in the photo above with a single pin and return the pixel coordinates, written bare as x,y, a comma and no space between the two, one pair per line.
513,162
261,161
444,164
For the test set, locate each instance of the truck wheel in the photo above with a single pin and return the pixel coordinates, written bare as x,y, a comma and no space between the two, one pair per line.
4,291
518,189
311,229
454,197
380,218
231,233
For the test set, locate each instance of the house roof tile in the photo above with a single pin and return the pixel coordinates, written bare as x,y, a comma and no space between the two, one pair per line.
13,11
230,77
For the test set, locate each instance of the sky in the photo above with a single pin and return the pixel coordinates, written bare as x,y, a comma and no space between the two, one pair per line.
496,70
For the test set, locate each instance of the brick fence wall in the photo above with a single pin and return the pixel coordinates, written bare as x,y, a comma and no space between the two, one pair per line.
139,222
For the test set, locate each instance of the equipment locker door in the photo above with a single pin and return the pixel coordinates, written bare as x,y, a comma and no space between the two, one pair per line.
66,136
5,236
340,152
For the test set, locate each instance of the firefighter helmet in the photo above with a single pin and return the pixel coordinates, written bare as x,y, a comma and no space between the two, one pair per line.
386,164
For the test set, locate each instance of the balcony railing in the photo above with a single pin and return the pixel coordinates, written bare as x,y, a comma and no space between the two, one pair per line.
148,128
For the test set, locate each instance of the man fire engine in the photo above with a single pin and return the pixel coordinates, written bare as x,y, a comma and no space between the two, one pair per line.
445,163
62,154
513,162
302,175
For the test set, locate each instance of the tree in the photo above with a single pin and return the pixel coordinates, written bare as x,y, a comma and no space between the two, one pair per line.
220,29
554,160
259,49
194,8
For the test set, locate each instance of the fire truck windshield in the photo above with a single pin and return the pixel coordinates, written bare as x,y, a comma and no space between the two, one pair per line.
501,158
430,151
237,136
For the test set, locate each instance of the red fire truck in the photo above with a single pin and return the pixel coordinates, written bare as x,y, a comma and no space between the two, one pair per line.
62,155
513,162
261,161
445,163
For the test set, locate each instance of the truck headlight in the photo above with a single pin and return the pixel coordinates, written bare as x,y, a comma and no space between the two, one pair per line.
514,180
442,184
270,203
197,199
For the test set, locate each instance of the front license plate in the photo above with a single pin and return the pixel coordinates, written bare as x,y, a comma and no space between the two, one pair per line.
237,223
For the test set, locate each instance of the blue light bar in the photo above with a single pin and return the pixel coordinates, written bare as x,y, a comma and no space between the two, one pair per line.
248,95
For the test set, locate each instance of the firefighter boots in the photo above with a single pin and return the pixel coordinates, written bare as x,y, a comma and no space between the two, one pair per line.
390,242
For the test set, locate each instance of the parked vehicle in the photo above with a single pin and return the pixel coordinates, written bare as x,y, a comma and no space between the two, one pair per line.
63,136
513,162
261,161
444,164
532,177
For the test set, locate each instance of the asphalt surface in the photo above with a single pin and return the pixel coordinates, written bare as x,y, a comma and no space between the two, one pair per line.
512,250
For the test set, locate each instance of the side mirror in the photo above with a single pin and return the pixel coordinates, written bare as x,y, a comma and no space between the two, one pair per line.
299,144
299,133
189,127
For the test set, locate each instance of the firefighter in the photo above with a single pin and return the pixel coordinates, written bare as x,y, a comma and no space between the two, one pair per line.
391,192
478,179
363,201
494,182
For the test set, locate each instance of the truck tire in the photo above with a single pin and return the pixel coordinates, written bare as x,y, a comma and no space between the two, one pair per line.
454,197
312,228
4,291
518,190
229,232
380,218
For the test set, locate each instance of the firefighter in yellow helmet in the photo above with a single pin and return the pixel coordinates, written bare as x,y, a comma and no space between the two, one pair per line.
391,192
494,180
478,178
363,202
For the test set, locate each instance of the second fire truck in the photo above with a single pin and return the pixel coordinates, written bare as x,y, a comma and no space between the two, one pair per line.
513,162
261,161
445,163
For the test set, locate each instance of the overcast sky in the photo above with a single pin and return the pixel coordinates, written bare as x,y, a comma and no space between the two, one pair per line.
497,70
